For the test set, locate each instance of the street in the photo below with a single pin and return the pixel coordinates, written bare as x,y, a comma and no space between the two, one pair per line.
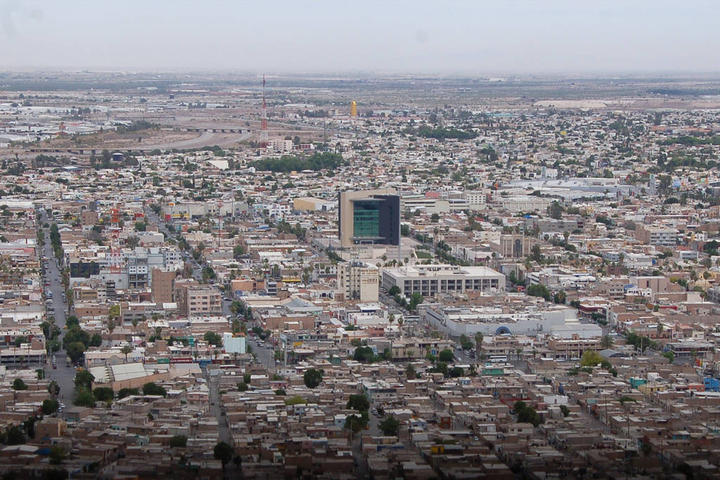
64,375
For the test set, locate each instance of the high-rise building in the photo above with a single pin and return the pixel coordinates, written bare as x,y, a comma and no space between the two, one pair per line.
369,217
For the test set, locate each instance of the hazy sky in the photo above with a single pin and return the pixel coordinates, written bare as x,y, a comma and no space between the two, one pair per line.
423,36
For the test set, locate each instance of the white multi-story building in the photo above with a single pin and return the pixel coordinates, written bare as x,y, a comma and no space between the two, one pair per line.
429,280
475,199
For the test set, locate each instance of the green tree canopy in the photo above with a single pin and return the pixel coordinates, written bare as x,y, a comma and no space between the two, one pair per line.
178,441
446,356
19,384
390,426
83,379
223,452
312,377
358,402
151,388
50,406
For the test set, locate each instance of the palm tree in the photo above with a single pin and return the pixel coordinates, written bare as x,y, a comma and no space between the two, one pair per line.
126,349
478,343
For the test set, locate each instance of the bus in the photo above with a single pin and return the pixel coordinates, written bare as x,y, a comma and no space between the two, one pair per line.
497,358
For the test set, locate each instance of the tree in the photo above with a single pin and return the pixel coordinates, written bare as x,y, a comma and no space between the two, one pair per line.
539,290
83,379
606,341
415,300
527,414
213,338
394,290
132,241
478,343
390,426
670,356
84,398
312,377
358,402
178,441
536,254
57,455
19,384
14,435
126,349
50,406
96,340
114,312
238,251
151,388
223,452
103,394
555,210
126,392
75,351
591,358
354,423
72,321
364,355
560,297
54,389
565,410
446,356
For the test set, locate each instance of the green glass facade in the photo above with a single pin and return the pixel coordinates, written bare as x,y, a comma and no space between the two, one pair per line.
366,219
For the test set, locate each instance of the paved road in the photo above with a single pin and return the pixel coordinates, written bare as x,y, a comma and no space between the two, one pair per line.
265,355
205,139
63,375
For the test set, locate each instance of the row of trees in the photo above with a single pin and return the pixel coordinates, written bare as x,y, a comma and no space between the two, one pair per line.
290,163
76,340
55,242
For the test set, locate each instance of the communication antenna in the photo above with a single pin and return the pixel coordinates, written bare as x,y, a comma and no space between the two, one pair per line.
263,122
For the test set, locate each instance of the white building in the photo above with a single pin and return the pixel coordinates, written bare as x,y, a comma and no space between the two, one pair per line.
429,280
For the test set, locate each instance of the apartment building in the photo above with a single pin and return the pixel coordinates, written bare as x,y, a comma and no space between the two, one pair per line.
358,281
196,300
657,235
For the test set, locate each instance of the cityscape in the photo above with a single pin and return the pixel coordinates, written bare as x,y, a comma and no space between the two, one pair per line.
262,273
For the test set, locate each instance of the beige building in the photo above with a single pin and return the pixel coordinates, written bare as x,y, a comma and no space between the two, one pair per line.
358,281
513,246
195,300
